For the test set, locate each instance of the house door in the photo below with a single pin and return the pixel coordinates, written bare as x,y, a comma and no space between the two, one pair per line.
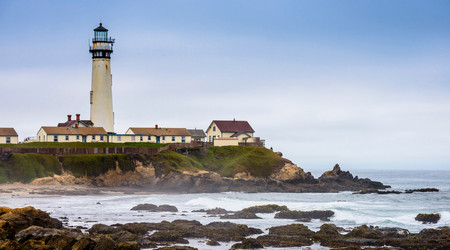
157,139
84,139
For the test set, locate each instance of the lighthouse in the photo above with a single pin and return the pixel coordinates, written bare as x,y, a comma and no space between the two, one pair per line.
102,114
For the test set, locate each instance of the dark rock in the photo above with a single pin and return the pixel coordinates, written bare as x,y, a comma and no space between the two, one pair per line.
270,208
154,208
428,218
409,191
316,214
343,180
240,215
128,246
294,235
365,232
249,243
216,210
167,238
102,229
21,218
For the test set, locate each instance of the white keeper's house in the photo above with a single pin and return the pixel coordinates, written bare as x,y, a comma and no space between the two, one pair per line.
8,136
231,132
72,134
155,135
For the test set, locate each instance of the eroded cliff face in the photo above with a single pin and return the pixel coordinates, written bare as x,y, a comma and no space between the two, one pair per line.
289,178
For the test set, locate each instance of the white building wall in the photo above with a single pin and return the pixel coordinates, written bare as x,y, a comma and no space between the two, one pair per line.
12,139
101,94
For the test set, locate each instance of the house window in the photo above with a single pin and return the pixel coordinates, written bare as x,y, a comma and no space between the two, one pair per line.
173,138
142,138
209,138
101,138
78,137
39,138
133,138
214,128
93,137
67,137
149,137
164,138
183,139
8,139
119,138
55,138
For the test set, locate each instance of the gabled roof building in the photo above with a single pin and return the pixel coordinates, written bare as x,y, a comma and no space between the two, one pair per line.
72,134
230,129
8,136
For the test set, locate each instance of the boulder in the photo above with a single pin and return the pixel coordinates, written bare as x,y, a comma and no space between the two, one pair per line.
154,208
291,173
21,218
248,243
428,218
305,215
295,235
270,208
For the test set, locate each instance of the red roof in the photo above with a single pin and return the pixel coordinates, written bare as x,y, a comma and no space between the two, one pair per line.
234,126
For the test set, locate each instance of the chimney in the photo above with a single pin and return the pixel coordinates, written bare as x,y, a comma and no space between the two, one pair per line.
156,126
76,125
69,118
78,117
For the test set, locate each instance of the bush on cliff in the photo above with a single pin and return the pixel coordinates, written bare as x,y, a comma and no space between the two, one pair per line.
95,165
27,167
229,160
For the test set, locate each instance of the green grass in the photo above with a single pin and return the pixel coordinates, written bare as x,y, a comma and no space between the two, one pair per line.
229,160
169,160
95,165
83,145
27,167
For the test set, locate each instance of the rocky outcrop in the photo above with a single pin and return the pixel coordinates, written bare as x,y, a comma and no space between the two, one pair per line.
270,208
288,178
154,208
428,218
305,216
30,228
339,180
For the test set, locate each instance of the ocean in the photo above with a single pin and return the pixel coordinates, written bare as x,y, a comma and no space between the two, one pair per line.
351,210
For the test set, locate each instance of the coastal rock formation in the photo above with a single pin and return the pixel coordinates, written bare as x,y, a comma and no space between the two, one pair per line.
153,208
428,218
305,215
270,208
154,176
240,215
339,180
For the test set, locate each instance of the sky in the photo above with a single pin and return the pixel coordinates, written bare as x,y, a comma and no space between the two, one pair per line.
365,84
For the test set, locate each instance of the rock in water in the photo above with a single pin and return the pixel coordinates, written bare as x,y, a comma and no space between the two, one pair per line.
154,208
428,218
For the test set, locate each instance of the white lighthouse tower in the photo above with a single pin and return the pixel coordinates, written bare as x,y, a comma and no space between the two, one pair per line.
102,114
